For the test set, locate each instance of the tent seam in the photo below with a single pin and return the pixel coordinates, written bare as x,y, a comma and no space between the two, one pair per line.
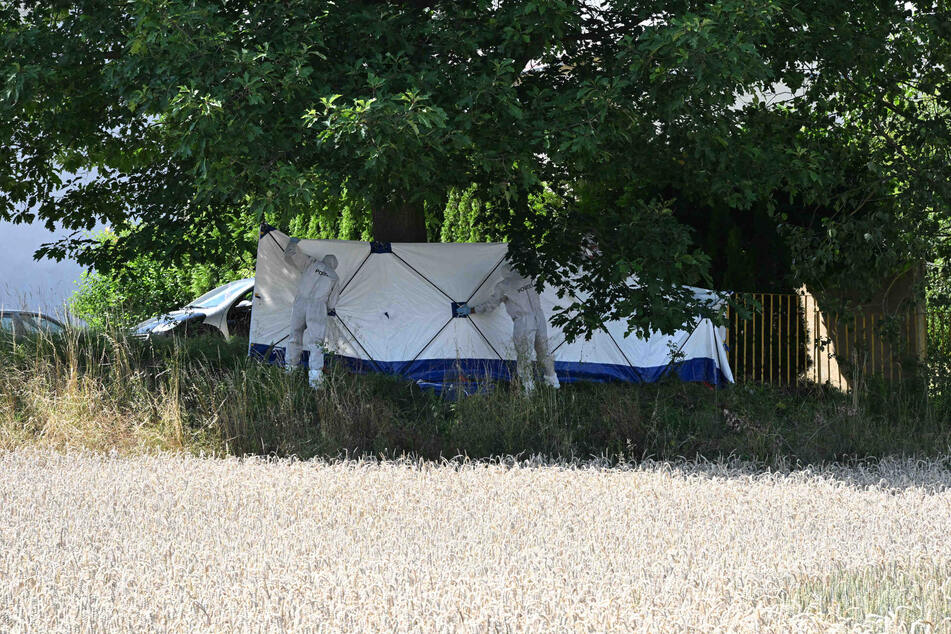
354,275
438,332
486,339
431,283
673,357
369,356
485,279
614,341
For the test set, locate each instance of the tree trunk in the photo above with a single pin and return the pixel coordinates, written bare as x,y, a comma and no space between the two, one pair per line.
399,222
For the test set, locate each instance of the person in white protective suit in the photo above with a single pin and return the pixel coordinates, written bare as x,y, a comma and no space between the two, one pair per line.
316,295
530,326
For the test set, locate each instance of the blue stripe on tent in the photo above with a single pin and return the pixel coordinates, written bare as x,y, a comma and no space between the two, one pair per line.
440,373
701,369
571,371
270,354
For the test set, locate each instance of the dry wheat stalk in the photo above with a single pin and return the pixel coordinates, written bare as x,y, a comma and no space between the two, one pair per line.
90,542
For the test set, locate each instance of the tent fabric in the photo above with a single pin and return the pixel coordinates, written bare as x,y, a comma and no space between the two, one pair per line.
395,314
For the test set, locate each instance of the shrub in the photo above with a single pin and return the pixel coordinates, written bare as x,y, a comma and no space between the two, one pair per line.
145,287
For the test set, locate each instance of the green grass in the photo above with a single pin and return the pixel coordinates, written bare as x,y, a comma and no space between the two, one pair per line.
105,391
908,596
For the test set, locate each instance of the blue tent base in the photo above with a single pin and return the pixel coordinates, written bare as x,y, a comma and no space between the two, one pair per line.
474,375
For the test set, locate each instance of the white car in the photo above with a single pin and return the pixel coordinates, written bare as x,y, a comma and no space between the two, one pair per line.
225,311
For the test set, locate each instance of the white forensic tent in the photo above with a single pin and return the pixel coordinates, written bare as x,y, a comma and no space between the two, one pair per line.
395,314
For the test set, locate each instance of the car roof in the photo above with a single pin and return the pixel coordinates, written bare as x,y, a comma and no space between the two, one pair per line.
31,313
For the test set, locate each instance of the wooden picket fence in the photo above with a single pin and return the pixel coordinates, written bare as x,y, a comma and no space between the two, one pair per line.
784,338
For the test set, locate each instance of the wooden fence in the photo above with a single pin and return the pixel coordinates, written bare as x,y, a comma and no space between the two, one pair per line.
784,338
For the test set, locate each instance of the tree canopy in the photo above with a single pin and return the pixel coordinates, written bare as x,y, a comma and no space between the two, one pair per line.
588,128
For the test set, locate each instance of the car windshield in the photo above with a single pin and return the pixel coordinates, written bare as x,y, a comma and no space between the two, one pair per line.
216,296
38,323
28,323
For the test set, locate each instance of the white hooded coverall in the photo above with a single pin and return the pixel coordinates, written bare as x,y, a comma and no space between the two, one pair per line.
529,325
314,297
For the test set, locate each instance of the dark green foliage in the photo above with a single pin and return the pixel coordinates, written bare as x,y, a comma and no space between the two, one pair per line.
579,122
938,289
747,253
104,300
125,294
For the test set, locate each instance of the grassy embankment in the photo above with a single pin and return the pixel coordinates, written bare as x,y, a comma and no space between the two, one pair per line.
105,391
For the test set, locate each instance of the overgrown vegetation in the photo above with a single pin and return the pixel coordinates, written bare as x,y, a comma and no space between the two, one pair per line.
129,291
772,143
893,596
104,390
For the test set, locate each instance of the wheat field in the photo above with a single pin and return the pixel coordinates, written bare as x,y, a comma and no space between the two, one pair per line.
166,542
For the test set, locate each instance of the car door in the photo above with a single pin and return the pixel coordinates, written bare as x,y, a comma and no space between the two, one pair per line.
239,315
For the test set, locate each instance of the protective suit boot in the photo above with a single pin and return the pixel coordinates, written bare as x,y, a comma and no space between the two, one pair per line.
528,386
316,378
552,381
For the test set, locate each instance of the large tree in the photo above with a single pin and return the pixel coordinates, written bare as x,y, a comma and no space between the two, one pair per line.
583,125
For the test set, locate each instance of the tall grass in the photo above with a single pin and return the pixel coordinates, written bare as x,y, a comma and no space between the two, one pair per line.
896,595
105,390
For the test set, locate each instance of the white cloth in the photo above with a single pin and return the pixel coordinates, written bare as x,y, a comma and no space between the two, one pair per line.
316,295
394,313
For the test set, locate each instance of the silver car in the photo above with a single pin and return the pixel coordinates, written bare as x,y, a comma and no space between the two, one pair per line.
26,322
224,311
